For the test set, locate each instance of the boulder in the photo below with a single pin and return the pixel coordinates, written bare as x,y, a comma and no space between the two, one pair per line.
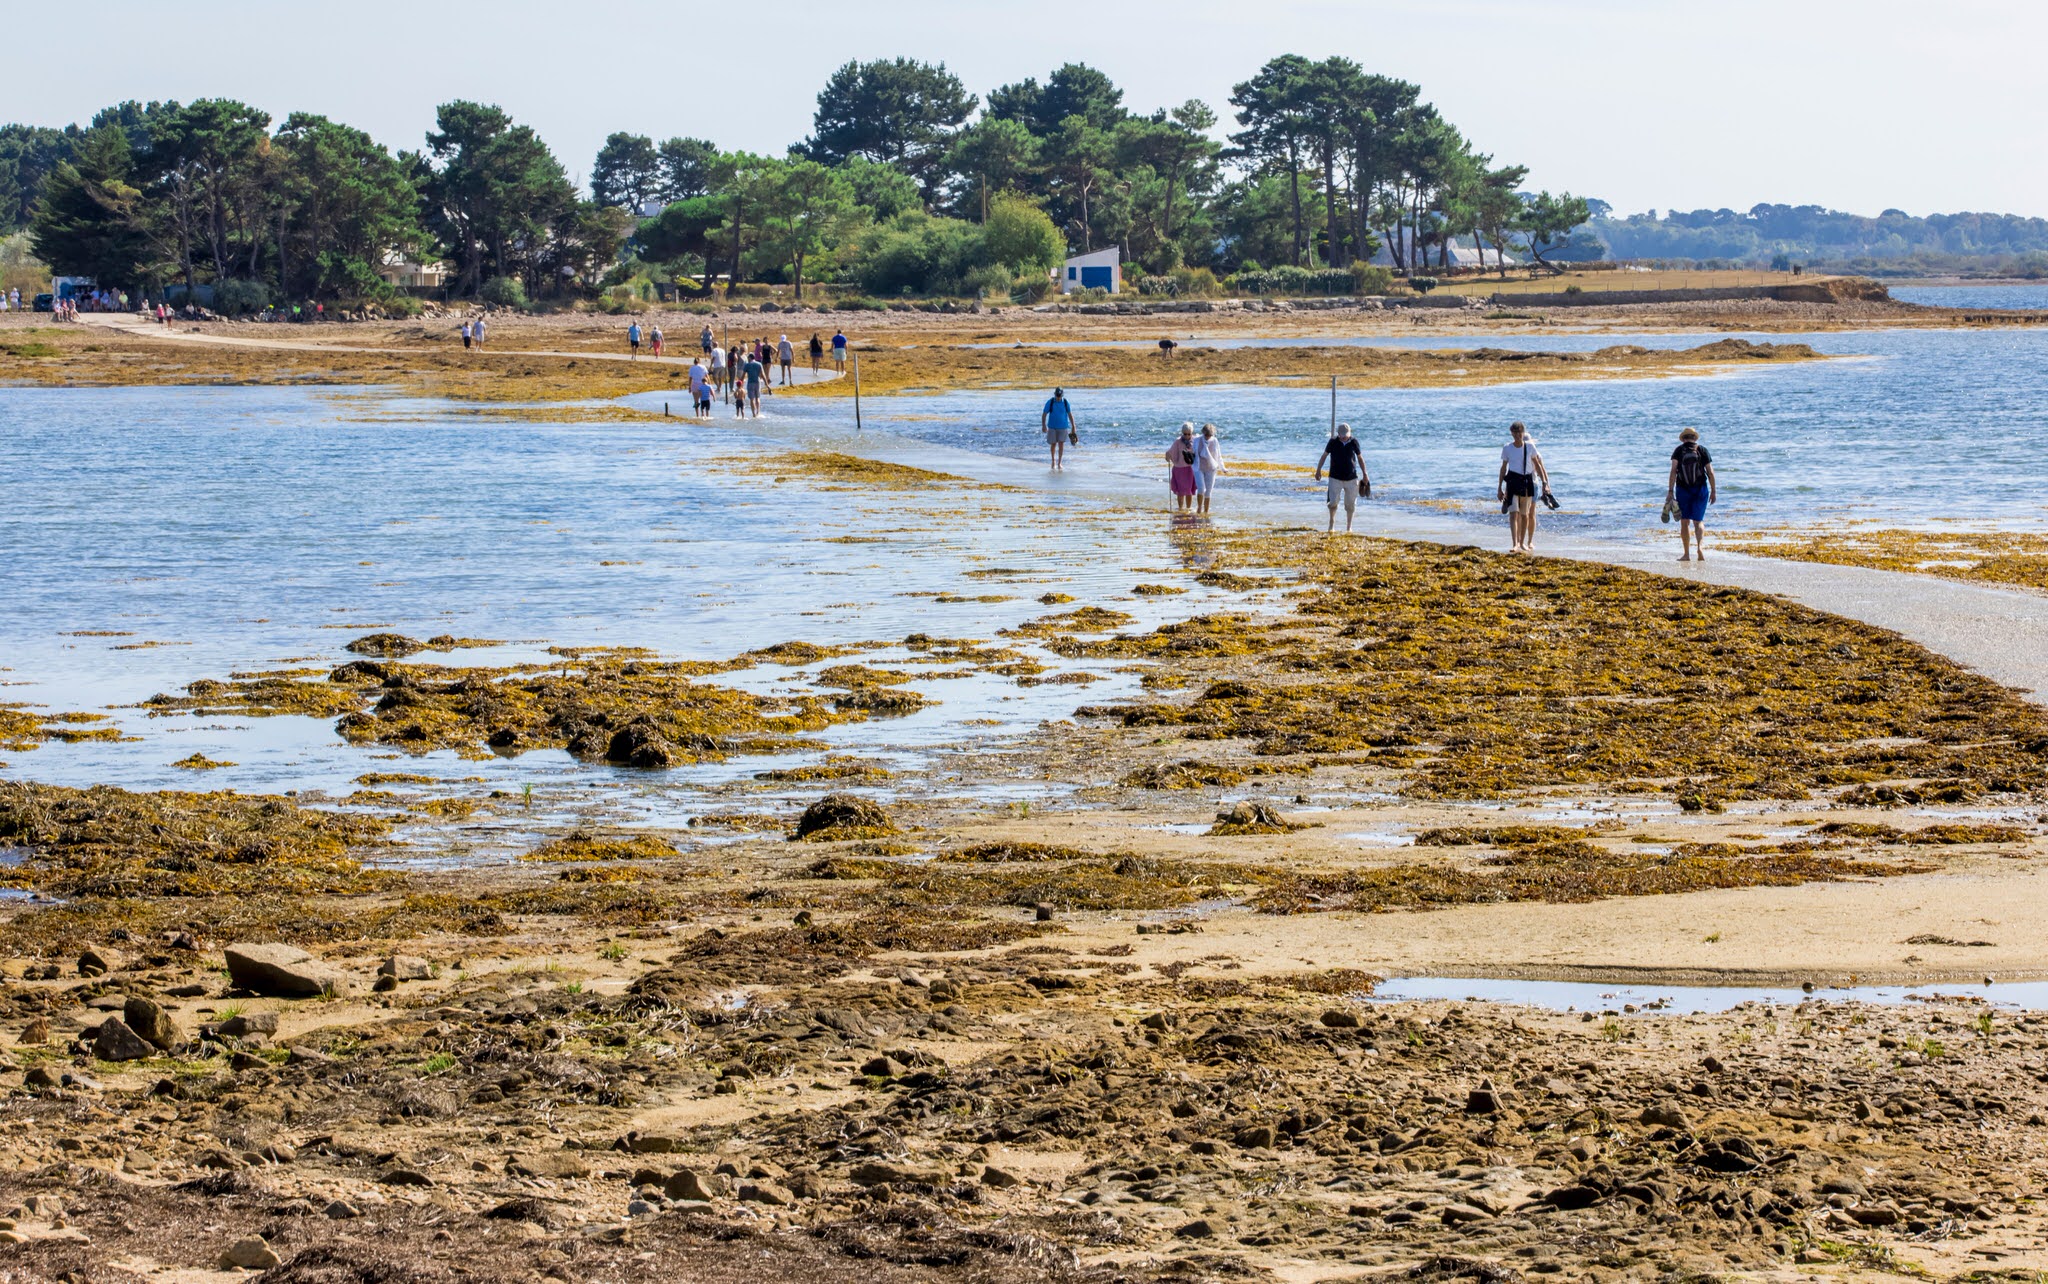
248,1254
1665,1114
876,1172
687,1183
766,1192
95,962
283,971
147,1018
116,1042
406,968
244,1024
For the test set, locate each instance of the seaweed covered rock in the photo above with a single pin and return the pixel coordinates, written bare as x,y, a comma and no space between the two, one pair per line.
640,744
1251,818
842,816
389,645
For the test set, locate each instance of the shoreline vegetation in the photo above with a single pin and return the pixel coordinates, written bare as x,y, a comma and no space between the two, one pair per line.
946,1041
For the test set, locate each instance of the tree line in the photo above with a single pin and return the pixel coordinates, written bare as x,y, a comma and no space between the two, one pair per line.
907,183
1815,234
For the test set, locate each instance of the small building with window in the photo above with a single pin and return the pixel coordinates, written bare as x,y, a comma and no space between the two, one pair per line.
1104,270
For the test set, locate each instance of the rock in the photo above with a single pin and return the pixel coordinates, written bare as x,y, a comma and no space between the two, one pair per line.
406,968
557,1164
388,645
522,1209
1200,1228
1264,1136
1876,1215
384,985
1043,911
39,1079
1460,1214
244,1024
1665,1114
640,744
876,1172
406,1177
341,1211
147,1018
651,1143
116,1042
1483,1100
284,971
766,1192
838,816
686,1183
882,1067
250,1254
93,962
1569,1197
999,1178
36,1031
1337,1019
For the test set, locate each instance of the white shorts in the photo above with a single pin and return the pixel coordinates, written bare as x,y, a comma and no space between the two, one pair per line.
1344,490
1205,480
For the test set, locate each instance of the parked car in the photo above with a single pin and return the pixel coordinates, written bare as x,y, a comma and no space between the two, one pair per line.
46,303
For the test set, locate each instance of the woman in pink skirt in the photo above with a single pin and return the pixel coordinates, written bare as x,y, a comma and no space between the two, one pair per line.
1181,480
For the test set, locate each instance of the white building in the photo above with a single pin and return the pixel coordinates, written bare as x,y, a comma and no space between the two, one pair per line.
1104,269
1465,253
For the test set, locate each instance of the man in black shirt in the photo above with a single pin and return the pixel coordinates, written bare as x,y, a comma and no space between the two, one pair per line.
1347,474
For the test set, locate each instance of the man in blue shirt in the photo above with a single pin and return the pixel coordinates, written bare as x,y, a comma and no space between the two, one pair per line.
1056,421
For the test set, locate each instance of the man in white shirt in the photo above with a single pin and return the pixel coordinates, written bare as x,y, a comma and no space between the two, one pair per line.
700,390
718,368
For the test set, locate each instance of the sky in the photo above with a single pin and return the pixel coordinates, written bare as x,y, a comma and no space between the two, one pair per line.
1860,105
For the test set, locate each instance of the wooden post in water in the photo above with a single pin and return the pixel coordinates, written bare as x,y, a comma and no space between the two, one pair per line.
856,390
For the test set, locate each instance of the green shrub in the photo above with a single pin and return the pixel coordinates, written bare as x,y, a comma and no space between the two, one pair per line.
239,298
504,292
1032,287
1195,283
1573,289
1156,285
987,282
1422,284
1368,278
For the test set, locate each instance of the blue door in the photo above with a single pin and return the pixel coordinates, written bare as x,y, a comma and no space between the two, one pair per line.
1093,278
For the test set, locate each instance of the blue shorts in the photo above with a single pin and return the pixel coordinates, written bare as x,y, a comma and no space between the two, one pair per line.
1692,503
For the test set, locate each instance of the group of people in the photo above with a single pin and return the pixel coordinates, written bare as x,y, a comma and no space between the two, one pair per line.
11,300
475,332
1193,460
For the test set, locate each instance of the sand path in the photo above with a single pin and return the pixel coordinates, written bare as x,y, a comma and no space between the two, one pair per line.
135,326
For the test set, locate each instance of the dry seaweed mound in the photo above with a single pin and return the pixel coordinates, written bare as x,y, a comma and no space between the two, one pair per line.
613,705
1251,818
1496,674
1082,619
838,817
586,845
107,842
1496,836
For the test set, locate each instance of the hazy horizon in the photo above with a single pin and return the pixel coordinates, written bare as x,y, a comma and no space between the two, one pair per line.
1645,105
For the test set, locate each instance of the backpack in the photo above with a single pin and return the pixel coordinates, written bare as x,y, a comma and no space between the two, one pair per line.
1692,467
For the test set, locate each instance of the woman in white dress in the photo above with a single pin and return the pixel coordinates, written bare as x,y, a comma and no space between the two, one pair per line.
1208,462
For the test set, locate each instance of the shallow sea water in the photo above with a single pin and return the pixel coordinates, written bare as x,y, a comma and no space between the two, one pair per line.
1912,428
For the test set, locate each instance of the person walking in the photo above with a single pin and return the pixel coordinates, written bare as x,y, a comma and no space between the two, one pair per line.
1056,421
655,336
1688,489
1208,461
704,340
1180,475
785,354
633,339
478,330
754,372
1521,472
817,351
700,389
718,370
839,351
1347,475
465,336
